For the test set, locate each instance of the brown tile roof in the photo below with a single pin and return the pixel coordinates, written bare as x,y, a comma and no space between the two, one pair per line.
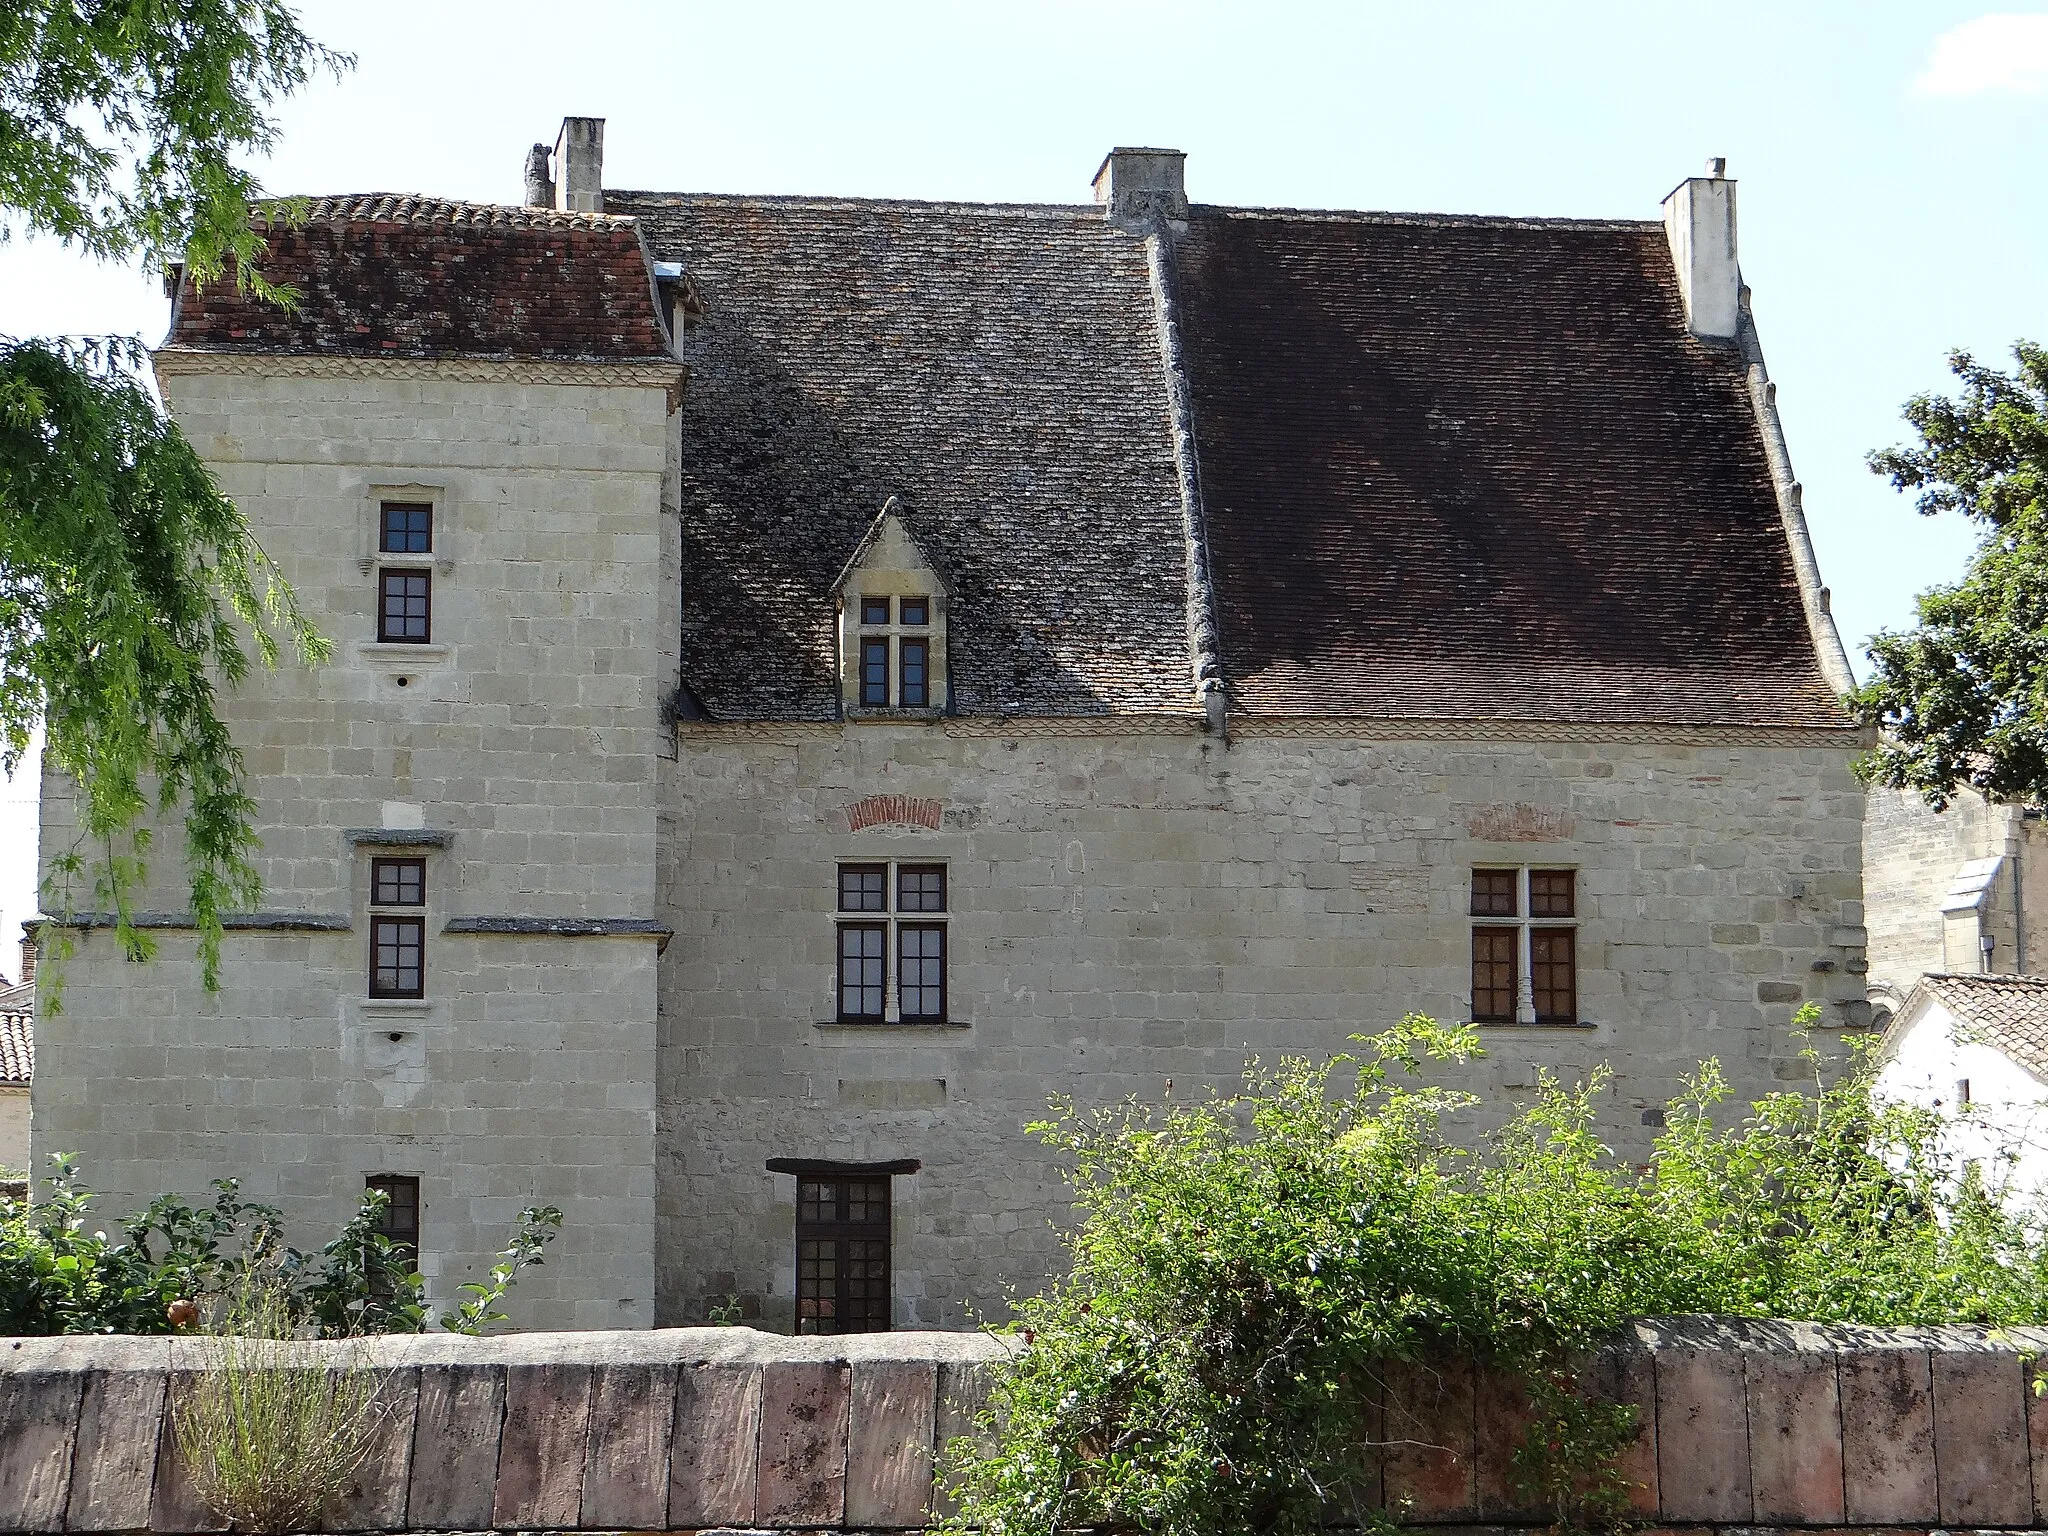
1479,468
2008,1013
17,1049
997,371
383,275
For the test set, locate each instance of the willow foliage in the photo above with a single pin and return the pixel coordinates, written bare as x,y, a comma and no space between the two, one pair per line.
129,584
1244,1269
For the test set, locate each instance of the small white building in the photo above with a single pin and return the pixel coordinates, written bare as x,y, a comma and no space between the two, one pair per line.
1977,1045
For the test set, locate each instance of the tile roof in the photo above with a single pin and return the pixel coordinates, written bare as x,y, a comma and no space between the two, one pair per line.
2008,1013
384,275
17,1049
997,371
1479,468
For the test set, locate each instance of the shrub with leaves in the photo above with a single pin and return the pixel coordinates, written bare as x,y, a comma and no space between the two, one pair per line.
61,1274
1244,1269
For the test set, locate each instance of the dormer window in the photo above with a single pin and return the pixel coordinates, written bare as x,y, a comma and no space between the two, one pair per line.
895,653
892,617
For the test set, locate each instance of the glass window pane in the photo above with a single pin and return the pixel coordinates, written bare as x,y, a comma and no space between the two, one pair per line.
861,970
398,882
1551,892
1493,892
916,610
396,946
914,693
921,888
1553,974
404,607
921,971
1493,975
874,610
863,887
874,674
405,528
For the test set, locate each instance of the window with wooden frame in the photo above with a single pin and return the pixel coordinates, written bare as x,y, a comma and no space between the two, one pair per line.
405,594
400,1221
895,629
892,911
842,1253
1525,946
398,937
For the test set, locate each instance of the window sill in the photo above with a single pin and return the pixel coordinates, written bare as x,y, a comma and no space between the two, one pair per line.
396,1005
871,716
1582,1024
835,1033
394,652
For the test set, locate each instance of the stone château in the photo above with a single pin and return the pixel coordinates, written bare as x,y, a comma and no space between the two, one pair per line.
817,677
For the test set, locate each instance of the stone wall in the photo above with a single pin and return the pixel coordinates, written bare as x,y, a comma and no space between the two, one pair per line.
1130,911
1739,1426
516,753
1911,857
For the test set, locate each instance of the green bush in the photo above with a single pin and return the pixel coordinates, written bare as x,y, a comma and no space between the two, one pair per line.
60,1274
1243,1270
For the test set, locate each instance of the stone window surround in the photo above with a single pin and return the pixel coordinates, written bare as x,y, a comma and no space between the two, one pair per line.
371,561
425,845
892,921
1522,922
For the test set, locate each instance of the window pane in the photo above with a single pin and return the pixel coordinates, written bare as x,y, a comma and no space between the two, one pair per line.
862,947
405,528
1550,892
914,693
817,1285
1493,975
874,673
921,971
916,610
404,607
398,882
921,888
1493,892
863,887
396,945
1553,974
401,1219
874,610
866,1287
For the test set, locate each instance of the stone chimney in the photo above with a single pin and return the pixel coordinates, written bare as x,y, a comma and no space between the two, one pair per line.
579,165
28,954
1138,186
540,186
1699,221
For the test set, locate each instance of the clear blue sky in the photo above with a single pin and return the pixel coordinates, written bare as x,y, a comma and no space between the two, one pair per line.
1888,155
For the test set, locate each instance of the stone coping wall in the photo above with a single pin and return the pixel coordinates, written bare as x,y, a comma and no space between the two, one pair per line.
1754,1425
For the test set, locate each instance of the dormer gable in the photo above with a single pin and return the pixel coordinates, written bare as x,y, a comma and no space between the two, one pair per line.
892,625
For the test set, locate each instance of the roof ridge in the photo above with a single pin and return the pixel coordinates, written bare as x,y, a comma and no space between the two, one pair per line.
1094,211
415,208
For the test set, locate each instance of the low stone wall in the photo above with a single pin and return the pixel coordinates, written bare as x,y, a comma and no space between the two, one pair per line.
1741,1425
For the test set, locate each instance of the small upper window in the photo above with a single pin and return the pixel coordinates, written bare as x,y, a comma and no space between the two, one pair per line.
916,611
405,528
874,610
398,882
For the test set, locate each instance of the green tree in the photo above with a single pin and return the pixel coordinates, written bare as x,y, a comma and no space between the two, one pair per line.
1962,698
129,584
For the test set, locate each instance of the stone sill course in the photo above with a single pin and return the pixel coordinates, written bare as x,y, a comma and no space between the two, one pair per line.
1744,1426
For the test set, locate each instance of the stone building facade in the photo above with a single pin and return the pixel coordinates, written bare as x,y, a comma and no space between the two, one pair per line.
1956,891
889,664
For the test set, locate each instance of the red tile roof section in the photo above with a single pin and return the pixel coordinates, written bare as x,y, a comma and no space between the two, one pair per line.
381,275
17,1049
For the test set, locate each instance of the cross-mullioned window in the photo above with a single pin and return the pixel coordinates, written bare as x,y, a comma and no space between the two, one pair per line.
877,901
1525,966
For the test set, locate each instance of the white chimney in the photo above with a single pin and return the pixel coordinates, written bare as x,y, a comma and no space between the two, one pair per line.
1137,186
579,165
1699,221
